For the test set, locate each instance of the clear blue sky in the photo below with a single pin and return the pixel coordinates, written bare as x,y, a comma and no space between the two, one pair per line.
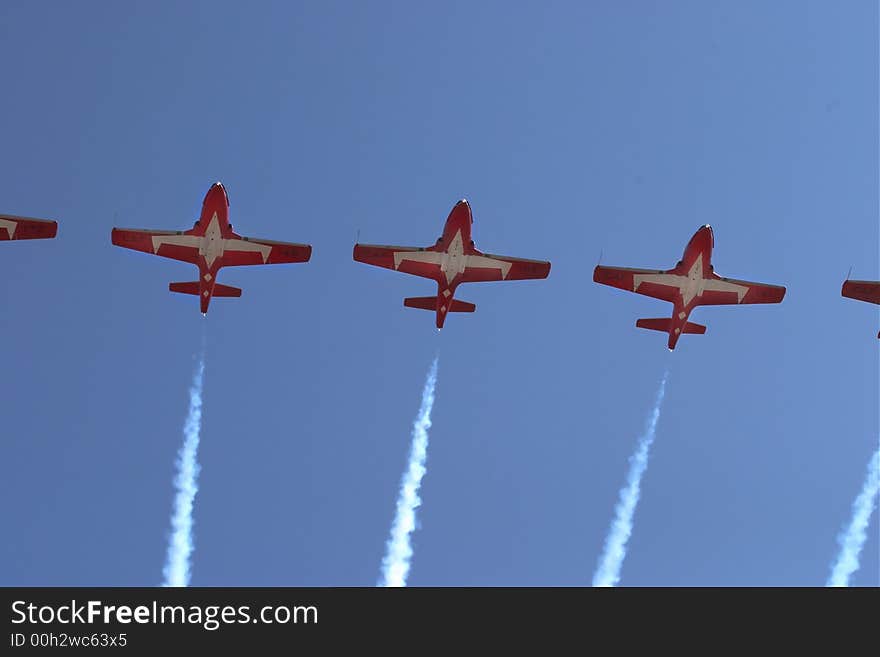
573,128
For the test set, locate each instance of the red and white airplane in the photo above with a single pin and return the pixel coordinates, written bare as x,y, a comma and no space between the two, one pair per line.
26,228
693,282
863,291
210,244
452,260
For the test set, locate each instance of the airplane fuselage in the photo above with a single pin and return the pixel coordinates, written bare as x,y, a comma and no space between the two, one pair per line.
693,273
211,234
455,249
214,227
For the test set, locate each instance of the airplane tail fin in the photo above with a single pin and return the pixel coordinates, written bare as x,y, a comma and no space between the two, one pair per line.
665,324
430,303
193,288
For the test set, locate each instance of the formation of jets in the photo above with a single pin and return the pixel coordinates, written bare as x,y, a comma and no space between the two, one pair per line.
452,260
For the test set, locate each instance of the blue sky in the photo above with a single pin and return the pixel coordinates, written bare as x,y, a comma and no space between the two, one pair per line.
574,129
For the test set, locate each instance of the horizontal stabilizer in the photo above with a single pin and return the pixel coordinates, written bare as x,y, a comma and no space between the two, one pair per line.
193,288
425,303
665,323
185,288
226,291
430,303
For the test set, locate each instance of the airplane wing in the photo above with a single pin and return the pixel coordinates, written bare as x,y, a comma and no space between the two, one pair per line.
253,251
26,228
667,286
720,291
487,267
862,290
177,245
407,259
650,282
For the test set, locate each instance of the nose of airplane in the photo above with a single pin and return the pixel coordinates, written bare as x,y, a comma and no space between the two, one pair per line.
462,206
219,186
217,189
710,233
704,234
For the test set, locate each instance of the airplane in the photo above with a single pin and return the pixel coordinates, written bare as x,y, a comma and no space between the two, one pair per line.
862,291
691,283
210,244
26,228
452,260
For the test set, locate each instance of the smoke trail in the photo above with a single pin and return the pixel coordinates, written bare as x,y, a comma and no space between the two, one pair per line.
395,565
180,544
853,538
608,571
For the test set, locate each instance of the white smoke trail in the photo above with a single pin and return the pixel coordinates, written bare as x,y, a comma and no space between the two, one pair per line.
853,538
180,543
395,565
608,571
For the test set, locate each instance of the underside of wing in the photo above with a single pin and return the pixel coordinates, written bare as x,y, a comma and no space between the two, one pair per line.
407,259
720,291
26,228
177,245
254,251
862,290
487,267
650,282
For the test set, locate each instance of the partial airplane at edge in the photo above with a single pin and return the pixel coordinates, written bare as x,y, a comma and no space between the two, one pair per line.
693,282
26,228
210,244
452,260
862,291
